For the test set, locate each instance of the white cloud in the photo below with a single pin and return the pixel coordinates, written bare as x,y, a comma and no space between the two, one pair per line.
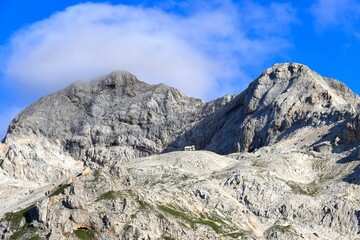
343,14
201,52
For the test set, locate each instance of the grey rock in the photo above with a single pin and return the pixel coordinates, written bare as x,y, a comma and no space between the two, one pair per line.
74,202
193,195
282,99
120,117
42,209
292,138
352,130
117,112
324,147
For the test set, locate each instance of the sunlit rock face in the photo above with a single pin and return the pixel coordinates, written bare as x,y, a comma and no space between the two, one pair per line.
288,169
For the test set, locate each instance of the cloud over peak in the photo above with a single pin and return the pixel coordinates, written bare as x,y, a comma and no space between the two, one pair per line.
201,53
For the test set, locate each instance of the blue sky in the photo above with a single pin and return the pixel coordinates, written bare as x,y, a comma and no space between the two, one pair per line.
204,48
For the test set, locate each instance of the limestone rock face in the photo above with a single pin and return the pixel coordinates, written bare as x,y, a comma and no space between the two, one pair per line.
202,195
351,132
117,116
282,99
101,160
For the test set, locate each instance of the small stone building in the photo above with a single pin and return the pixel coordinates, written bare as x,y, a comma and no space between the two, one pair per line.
189,148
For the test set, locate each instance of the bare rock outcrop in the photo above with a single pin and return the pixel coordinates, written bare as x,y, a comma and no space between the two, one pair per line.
120,117
200,195
117,112
284,98
291,169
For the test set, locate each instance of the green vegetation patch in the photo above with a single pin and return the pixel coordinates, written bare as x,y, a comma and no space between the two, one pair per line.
191,219
25,232
35,238
282,229
303,189
84,233
236,234
128,228
143,204
14,218
96,174
18,233
168,238
110,195
59,190
215,222
215,217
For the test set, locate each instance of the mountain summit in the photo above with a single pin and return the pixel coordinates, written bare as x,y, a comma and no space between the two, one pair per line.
290,144
284,98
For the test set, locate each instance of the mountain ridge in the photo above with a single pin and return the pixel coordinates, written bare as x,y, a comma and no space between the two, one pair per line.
290,144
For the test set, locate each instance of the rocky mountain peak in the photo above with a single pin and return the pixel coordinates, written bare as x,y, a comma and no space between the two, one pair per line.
93,157
90,114
115,116
122,80
283,98
291,84
290,94
118,83
285,71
